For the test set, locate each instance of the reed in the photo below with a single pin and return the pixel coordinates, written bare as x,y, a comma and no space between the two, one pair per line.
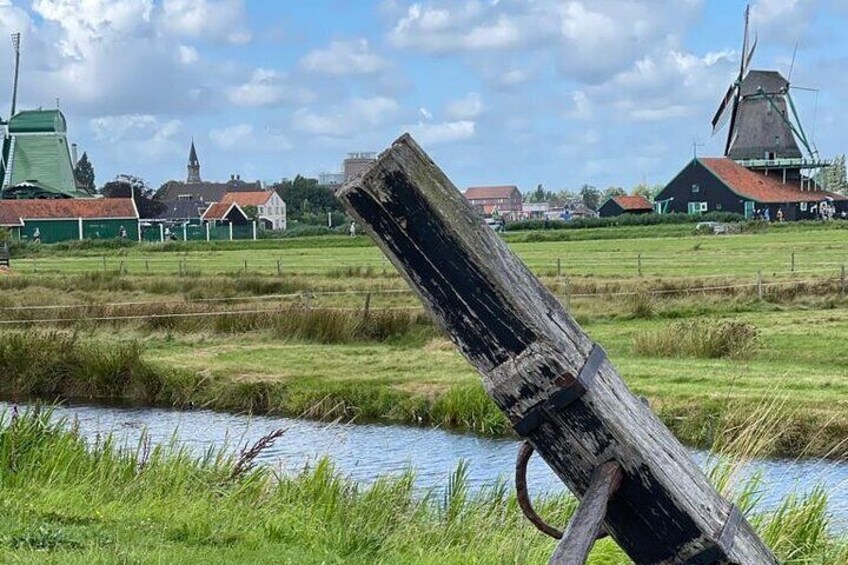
705,339
69,501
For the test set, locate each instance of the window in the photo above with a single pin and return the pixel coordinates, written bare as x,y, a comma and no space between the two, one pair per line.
696,188
695,207
703,206
261,209
749,209
184,197
770,155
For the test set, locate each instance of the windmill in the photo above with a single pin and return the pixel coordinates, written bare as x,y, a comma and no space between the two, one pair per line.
763,122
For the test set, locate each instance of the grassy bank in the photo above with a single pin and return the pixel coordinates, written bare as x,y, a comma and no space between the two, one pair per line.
67,502
414,377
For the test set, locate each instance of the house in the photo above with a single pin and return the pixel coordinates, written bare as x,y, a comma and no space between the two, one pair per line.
183,211
619,205
201,192
36,157
535,210
721,184
504,201
65,219
270,207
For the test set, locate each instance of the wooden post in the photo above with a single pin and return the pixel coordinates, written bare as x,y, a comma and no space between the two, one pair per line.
639,264
367,308
121,268
792,262
279,267
104,263
245,264
555,385
760,284
568,294
146,265
842,282
559,267
162,233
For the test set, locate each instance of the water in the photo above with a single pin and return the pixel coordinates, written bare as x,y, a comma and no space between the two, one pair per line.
364,452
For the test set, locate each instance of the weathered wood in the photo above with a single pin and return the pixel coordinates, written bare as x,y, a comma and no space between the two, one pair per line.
526,348
585,524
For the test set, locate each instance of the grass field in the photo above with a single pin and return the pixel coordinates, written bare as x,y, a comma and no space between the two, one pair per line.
67,502
299,341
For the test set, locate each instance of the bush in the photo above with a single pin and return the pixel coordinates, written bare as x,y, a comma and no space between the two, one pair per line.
701,338
624,220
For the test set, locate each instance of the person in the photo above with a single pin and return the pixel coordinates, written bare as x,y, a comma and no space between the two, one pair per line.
36,235
122,232
167,234
352,229
766,215
779,214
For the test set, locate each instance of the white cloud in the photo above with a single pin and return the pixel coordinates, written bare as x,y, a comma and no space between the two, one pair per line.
425,113
213,19
142,133
344,58
353,116
785,21
188,54
232,136
267,87
466,108
442,132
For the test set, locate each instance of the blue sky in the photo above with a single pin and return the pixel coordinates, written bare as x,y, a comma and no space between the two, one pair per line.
562,93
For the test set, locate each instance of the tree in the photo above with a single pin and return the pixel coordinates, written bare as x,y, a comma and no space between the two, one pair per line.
84,174
834,176
129,186
308,201
539,195
612,191
646,191
251,212
591,196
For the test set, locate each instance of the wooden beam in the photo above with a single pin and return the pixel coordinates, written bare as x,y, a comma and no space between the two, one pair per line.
532,357
585,525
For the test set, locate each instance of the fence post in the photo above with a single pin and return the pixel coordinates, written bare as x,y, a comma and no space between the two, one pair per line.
559,267
245,263
568,294
207,231
180,266
104,263
367,308
639,264
162,233
231,231
760,284
79,225
792,262
185,232
254,230
146,265
279,267
842,282
121,268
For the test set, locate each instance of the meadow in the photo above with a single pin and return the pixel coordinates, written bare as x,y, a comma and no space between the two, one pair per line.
703,326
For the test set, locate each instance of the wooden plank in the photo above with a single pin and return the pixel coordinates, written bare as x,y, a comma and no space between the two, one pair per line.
526,347
585,524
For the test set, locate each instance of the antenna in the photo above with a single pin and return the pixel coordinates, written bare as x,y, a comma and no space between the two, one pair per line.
16,45
695,146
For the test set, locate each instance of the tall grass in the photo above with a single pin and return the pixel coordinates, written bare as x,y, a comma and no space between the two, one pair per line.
706,339
69,501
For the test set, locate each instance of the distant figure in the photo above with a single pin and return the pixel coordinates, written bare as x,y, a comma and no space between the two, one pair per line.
352,229
36,235
122,232
766,215
167,234
779,214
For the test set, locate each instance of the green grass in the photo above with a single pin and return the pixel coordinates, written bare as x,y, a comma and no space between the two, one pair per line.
63,501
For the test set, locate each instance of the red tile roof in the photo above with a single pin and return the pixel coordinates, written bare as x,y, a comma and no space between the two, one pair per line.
243,199
12,212
759,187
635,202
487,192
220,210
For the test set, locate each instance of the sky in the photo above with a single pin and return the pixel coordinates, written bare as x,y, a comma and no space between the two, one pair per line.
526,92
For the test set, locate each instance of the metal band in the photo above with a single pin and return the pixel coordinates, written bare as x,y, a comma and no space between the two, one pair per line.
562,397
721,547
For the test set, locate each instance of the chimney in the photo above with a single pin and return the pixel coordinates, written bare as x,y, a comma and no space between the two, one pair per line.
74,157
238,177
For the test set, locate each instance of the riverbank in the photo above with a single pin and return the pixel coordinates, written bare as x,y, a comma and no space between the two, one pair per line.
67,502
326,372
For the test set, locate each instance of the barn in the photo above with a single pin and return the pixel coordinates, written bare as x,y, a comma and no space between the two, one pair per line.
619,205
720,184
65,219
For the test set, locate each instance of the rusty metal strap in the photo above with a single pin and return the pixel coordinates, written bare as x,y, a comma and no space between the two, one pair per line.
564,396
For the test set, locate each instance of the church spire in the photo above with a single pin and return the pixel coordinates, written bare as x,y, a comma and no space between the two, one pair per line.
193,165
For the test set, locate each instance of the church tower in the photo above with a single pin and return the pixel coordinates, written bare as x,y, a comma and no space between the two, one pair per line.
193,166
